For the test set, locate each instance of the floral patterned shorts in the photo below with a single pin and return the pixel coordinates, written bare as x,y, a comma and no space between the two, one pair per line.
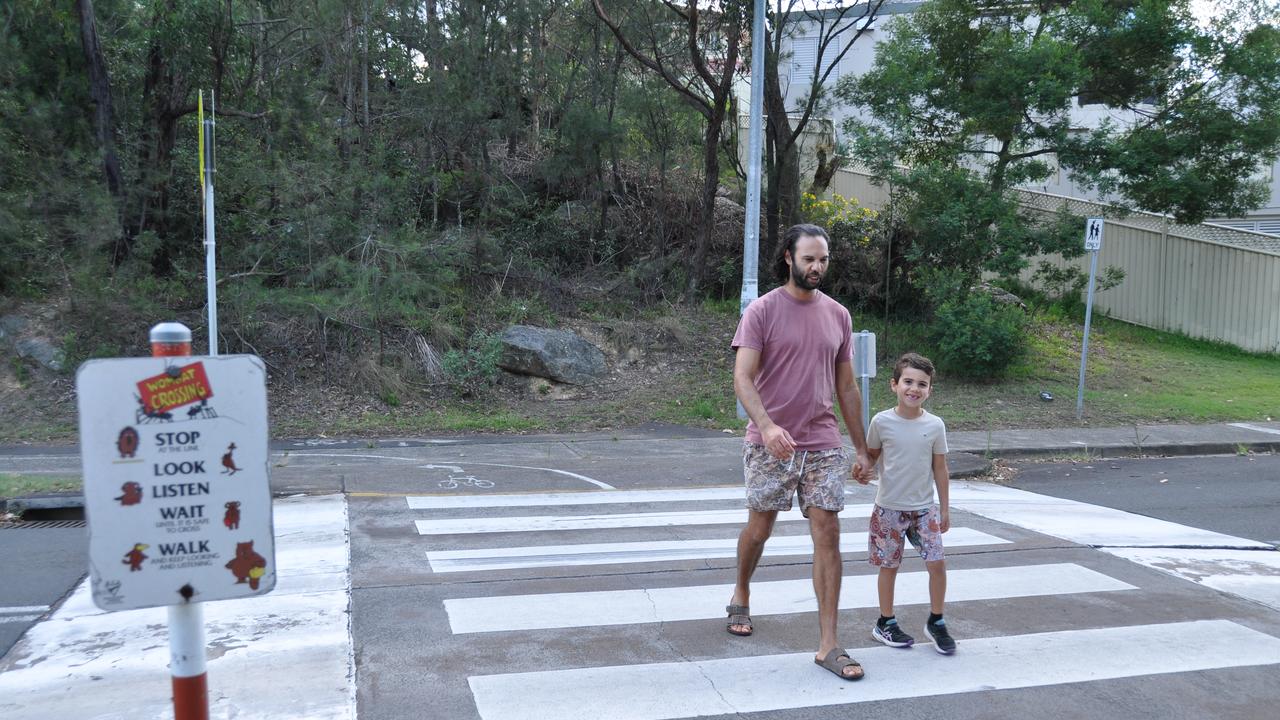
816,476
889,528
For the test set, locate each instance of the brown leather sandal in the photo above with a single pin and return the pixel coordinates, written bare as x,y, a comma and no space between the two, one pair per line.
739,615
837,660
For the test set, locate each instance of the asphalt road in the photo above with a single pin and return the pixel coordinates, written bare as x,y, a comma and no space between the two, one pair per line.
39,566
539,608
440,606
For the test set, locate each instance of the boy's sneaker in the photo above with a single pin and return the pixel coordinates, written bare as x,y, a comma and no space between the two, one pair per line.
892,634
942,641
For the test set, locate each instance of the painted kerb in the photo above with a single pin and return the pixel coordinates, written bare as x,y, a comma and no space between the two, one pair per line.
1195,280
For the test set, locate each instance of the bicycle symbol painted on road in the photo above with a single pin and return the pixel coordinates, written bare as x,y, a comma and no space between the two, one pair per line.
456,481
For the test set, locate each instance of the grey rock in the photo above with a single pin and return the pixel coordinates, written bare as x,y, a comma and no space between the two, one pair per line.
554,354
11,325
43,352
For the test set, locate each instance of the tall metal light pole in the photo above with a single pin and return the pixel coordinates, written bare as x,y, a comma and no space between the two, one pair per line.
210,243
751,229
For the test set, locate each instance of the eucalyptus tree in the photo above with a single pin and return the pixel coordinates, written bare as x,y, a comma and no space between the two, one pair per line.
695,48
833,27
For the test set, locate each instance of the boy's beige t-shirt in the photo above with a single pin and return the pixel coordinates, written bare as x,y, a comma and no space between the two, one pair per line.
906,478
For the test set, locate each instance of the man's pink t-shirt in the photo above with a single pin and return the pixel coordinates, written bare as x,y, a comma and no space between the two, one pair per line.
800,344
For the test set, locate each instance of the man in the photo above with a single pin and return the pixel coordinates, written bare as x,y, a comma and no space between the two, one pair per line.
794,351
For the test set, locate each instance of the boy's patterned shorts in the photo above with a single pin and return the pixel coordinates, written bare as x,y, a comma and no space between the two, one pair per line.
816,476
889,529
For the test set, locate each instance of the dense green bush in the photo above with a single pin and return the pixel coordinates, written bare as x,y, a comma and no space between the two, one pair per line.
977,337
474,369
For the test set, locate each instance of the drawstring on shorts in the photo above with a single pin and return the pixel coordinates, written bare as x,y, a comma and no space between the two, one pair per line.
804,455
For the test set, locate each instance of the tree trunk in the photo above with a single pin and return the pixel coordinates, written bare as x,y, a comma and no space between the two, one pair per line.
163,95
100,96
828,164
780,204
711,181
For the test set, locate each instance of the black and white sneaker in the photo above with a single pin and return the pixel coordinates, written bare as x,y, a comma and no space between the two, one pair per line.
892,634
942,641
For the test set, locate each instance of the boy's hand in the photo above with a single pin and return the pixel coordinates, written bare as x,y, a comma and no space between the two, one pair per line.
863,469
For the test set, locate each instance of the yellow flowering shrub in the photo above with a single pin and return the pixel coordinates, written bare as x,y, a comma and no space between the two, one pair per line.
843,218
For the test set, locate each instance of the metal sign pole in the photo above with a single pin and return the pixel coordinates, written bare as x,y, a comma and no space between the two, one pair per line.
751,229
1092,243
864,357
210,243
186,621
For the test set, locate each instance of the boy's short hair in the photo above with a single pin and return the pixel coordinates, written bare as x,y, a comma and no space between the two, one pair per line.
915,361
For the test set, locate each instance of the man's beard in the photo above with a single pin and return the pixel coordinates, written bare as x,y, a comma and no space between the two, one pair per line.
803,282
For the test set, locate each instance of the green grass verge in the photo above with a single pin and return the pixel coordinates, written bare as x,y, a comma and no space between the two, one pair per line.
1135,376
18,485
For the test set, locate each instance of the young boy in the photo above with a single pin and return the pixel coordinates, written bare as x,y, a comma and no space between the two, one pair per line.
912,443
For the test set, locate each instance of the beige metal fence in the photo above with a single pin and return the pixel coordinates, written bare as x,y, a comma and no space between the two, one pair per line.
1205,281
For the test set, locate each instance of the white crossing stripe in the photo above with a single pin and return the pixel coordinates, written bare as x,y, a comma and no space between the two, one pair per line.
541,523
1252,574
782,682
588,497
23,609
18,618
537,556
1083,523
671,604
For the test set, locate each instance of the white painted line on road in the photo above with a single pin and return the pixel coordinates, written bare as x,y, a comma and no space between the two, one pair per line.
566,473
704,602
23,609
1250,574
18,618
1081,522
546,523
283,655
584,478
590,497
784,682
1257,428
541,556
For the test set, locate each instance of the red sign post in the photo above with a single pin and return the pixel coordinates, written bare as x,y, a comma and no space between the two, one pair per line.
186,621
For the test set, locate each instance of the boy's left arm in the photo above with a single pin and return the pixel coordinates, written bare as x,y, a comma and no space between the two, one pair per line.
942,479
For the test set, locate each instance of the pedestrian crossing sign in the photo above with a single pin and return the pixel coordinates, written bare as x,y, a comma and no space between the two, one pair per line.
177,495
1093,233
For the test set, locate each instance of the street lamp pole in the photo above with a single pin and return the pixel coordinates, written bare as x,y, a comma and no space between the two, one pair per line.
751,229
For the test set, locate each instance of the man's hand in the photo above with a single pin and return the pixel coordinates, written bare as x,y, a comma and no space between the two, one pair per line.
863,469
778,442
945,521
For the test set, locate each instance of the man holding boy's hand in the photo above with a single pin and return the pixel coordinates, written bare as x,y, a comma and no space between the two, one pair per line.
794,352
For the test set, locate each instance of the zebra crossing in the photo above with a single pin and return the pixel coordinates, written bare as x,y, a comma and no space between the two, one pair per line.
499,536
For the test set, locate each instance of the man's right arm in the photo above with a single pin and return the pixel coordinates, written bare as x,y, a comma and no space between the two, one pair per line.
746,367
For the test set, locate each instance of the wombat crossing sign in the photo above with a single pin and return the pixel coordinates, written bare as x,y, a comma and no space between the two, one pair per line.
176,486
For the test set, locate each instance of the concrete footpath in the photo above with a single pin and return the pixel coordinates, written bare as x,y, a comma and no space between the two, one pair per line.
1127,441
